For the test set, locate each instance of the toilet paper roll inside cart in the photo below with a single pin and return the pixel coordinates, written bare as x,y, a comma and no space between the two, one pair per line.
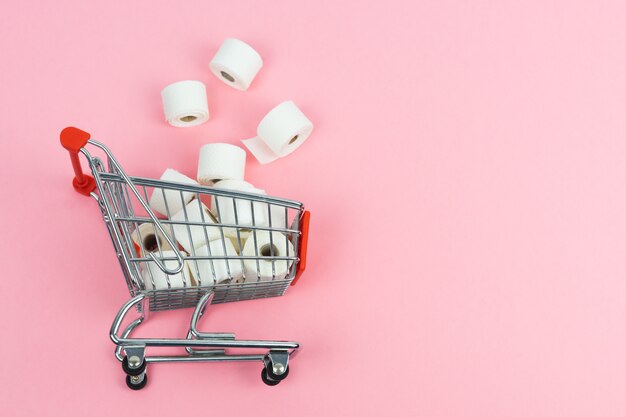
238,211
155,279
200,234
264,246
169,202
147,238
280,132
216,271
275,217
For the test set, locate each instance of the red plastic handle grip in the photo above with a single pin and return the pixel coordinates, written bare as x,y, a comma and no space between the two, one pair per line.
73,140
304,239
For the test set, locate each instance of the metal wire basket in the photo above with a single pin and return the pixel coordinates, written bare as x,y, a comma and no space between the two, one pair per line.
246,246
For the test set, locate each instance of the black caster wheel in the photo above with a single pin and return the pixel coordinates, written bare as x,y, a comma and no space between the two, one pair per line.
268,381
136,386
133,371
272,375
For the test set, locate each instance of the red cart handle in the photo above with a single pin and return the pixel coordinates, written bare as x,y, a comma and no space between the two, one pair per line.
74,140
304,238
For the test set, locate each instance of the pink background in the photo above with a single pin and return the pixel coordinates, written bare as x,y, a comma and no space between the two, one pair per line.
466,181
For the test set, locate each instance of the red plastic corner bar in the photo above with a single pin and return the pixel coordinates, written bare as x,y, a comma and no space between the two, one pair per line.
73,140
304,238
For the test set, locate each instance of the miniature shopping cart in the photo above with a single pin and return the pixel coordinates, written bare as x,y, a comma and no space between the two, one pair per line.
238,265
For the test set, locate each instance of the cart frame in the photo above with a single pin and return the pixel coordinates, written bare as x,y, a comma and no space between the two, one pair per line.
107,186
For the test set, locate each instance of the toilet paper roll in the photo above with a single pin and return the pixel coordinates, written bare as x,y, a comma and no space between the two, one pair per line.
221,161
279,217
155,279
168,202
238,243
236,64
276,218
266,269
216,271
281,132
229,206
195,236
185,103
148,238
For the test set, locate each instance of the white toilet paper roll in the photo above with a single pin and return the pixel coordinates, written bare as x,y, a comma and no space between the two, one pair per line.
155,279
168,202
185,103
221,161
194,236
216,271
148,238
279,217
238,243
263,268
281,132
235,184
236,63
276,218
238,211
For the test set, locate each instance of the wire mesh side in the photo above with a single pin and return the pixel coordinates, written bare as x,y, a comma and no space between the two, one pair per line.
242,246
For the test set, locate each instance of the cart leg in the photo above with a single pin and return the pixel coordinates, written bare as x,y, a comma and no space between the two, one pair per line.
125,334
134,364
193,332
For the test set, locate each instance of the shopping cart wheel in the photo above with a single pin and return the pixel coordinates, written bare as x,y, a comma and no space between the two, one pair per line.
276,377
136,385
133,371
267,380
